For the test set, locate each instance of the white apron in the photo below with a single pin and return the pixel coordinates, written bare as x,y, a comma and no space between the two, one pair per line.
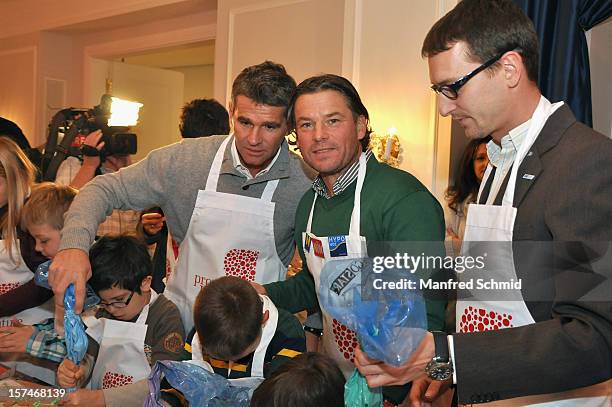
13,275
228,235
492,223
121,358
339,342
269,329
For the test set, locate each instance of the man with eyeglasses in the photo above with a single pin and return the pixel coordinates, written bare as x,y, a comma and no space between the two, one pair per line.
549,184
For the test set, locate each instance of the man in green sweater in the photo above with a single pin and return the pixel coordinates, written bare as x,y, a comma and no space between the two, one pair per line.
354,201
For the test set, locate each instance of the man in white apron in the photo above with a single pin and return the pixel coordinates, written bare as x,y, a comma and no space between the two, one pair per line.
552,183
199,118
355,201
229,201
